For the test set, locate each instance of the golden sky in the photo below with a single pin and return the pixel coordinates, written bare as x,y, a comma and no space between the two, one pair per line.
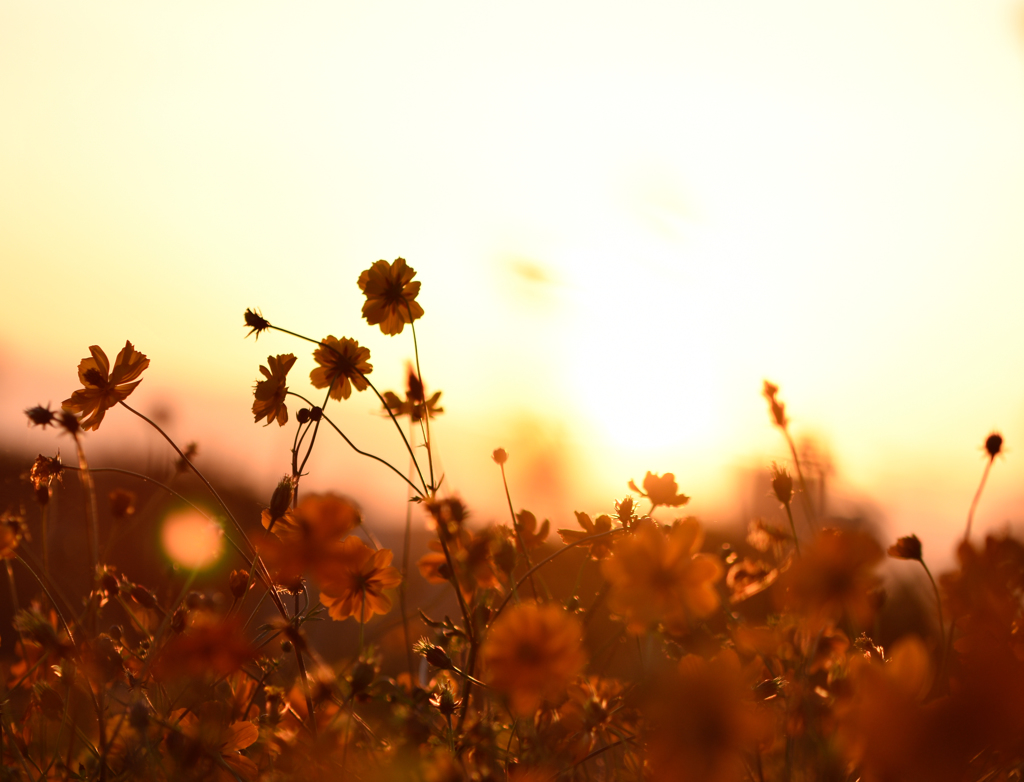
624,217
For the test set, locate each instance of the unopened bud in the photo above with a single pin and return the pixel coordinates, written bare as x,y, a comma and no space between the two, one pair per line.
281,498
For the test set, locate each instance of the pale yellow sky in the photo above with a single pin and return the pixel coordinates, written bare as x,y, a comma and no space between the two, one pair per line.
624,217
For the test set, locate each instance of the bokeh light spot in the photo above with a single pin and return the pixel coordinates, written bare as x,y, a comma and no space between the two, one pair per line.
191,540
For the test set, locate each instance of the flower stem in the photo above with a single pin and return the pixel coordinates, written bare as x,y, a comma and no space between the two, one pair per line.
426,411
977,496
519,535
792,526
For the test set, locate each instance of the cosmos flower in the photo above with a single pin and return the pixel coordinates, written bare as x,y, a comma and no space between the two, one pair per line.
390,295
354,578
661,490
104,388
656,576
342,364
271,393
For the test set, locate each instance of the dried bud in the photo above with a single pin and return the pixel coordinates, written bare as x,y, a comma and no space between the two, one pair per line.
143,596
444,701
237,582
906,548
122,503
778,409
363,675
44,469
68,421
782,484
500,456
303,415
41,416
179,620
994,444
435,655
256,322
281,498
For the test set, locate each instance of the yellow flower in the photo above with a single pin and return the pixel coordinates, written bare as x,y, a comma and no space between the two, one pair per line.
390,295
658,577
533,653
271,393
102,388
343,364
354,580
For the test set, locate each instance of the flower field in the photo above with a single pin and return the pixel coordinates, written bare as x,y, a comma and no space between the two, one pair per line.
635,643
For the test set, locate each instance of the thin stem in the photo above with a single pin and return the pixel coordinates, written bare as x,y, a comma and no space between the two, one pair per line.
201,477
977,496
423,389
792,526
805,497
519,536
92,515
406,545
942,623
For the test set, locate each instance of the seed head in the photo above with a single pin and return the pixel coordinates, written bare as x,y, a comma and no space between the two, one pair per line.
256,322
782,484
41,416
994,444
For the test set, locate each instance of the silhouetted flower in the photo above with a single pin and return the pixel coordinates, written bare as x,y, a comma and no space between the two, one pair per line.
272,392
599,549
390,295
343,364
531,535
661,490
906,548
104,388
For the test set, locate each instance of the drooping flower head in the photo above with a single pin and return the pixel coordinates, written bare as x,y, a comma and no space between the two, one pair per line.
533,653
342,364
390,295
104,388
271,393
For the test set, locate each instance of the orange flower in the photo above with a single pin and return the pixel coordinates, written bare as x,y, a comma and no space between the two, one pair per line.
390,295
660,577
354,580
198,739
305,538
103,388
834,577
415,405
343,364
271,393
661,490
702,720
533,653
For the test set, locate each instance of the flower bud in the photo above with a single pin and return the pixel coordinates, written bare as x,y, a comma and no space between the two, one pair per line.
237,582
281,498
782,484
500,456
994,444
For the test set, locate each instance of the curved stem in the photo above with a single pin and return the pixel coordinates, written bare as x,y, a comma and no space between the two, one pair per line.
977,496
359,451
519,535
547,559
423,389
938,603
372,386
201,477
805,497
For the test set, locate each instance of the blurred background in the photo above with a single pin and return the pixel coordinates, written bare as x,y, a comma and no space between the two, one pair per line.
624,218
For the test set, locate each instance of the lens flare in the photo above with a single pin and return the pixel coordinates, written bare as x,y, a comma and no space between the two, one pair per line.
191,540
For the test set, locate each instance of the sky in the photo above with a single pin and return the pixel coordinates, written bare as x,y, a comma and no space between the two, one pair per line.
624,217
